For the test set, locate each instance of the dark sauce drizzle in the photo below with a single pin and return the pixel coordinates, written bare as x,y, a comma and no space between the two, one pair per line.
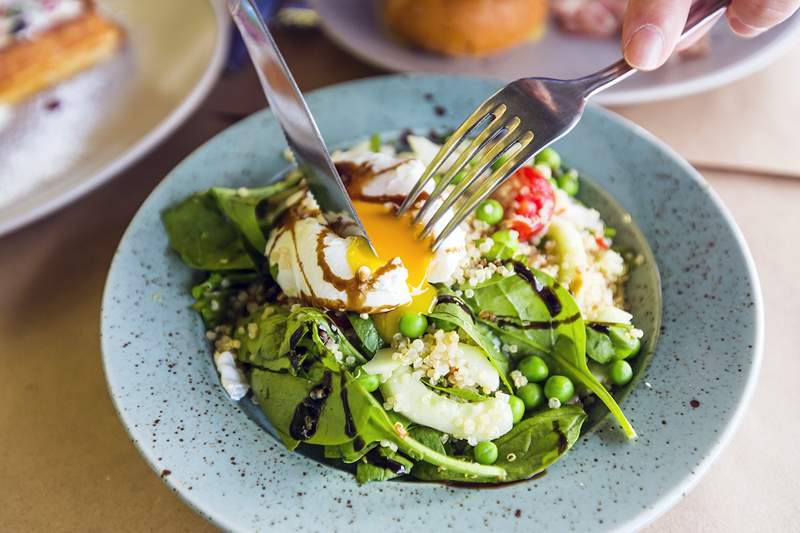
547,295
307,413
374,457
534,324
296,353
600,328
563,443
349,424
449,299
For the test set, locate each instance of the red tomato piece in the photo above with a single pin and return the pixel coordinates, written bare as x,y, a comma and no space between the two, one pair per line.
529,199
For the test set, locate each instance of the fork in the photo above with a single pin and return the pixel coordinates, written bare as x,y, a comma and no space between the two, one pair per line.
503,127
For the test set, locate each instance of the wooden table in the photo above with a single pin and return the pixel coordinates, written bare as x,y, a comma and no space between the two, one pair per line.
66,462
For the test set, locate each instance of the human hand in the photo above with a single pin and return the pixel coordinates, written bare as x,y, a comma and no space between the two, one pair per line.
651,28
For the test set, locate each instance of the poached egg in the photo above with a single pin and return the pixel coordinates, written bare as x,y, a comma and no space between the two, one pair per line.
312,262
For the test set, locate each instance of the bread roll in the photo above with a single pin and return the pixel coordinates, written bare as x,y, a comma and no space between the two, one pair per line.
465,27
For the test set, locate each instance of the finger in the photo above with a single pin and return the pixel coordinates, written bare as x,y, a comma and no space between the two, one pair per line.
748,18
651,30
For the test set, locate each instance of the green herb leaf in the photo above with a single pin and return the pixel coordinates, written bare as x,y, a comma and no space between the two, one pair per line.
221,229
370,467
366,332
526,450
513,308
599,346
453,310
464,394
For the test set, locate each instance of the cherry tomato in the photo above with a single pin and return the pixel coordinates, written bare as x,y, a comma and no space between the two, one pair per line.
529,200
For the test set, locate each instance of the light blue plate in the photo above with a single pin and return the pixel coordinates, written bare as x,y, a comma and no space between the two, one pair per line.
223,464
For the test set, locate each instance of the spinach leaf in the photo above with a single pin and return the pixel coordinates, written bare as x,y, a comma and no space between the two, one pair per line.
453,310
262,335
373,424
432,438
220,229
200,233
532,311
567,360
519,308
276,339
464,394
526,450
382,464
281,395
599,346
366,332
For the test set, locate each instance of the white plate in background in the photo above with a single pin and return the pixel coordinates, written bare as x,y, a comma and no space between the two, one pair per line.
67,140
356,25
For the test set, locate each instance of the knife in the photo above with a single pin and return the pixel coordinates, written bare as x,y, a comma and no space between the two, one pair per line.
298,125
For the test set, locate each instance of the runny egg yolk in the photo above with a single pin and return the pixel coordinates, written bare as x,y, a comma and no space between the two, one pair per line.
394,236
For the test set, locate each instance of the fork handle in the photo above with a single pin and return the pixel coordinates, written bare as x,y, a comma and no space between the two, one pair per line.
700,13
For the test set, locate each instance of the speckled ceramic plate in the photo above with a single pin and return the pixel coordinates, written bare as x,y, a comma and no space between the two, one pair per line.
215,454
67,140
356,25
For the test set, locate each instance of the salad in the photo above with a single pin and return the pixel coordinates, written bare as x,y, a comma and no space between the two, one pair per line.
471,363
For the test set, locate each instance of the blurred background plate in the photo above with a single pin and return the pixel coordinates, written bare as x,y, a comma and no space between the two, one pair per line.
357,26
67,140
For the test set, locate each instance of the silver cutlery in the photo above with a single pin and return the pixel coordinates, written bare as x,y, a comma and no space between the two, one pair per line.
511,127
294,117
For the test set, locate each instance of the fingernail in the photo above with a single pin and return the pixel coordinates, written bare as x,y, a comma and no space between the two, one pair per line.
743,29
645,48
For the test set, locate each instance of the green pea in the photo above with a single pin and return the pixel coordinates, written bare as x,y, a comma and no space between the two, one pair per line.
505,245
370,382
507,238
499,162
459,177
534,368
548,157
486,452
609,232
568,182
517,408
625,344
375,142
560,388
531,395
490,212
620,372
413,325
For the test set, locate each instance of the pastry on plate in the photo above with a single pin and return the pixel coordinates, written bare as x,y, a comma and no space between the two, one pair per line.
466,27
43,42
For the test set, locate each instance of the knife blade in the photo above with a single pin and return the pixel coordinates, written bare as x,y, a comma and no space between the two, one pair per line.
294,117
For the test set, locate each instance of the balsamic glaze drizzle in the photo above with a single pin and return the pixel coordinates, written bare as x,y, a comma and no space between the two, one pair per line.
307,413
563,443
449,299
374,457
547,295
349,424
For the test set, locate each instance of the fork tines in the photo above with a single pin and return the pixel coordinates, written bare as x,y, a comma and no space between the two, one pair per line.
495,151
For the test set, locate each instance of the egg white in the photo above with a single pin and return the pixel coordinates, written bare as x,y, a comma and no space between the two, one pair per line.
292,248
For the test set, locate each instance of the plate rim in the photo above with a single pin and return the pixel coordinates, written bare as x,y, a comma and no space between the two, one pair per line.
641,519
620,96
147,142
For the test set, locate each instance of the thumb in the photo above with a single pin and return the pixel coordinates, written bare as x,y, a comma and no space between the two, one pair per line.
651,29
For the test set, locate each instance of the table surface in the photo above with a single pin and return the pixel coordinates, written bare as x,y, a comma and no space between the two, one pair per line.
66,462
